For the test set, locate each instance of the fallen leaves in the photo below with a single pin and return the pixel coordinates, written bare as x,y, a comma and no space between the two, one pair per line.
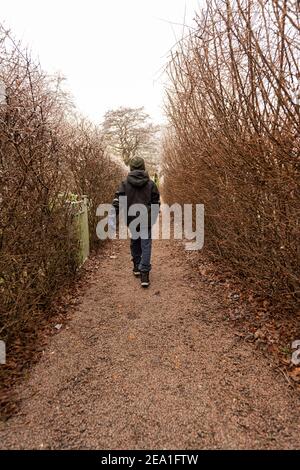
294,374
131,337
255,319
26,349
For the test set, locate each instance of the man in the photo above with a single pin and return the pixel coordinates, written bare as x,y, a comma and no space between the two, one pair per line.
139,189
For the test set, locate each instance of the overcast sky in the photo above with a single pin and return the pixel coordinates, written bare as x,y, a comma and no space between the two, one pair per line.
111,51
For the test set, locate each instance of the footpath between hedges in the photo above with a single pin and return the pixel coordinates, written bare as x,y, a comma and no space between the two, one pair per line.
156,368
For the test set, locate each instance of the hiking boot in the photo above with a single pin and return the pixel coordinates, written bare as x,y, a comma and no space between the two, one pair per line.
136,270
145,279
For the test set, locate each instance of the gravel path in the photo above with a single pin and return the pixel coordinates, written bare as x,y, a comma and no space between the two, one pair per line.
154,369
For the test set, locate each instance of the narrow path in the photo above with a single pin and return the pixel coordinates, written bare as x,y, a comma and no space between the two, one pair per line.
152,369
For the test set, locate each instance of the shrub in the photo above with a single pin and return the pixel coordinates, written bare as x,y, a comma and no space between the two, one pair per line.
46,153
233,139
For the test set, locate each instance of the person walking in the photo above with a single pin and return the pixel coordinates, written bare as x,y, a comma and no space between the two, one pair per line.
139,189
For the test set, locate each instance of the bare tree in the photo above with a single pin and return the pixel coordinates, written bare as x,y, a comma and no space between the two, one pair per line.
128,132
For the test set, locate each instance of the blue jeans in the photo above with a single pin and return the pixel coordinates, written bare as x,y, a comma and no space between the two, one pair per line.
141,250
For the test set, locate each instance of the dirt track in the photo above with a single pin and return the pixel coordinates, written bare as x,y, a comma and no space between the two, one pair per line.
152,369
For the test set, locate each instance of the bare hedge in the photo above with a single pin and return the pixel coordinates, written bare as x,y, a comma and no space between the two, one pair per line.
94,173
233,139
45,155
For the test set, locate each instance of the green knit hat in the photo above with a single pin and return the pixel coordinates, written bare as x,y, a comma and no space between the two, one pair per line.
137,163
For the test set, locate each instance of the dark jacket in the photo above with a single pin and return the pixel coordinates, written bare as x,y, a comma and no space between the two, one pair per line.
139,189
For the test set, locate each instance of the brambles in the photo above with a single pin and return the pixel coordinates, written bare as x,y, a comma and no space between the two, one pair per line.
233,141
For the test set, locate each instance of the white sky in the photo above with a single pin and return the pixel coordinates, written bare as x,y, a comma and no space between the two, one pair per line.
111,51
